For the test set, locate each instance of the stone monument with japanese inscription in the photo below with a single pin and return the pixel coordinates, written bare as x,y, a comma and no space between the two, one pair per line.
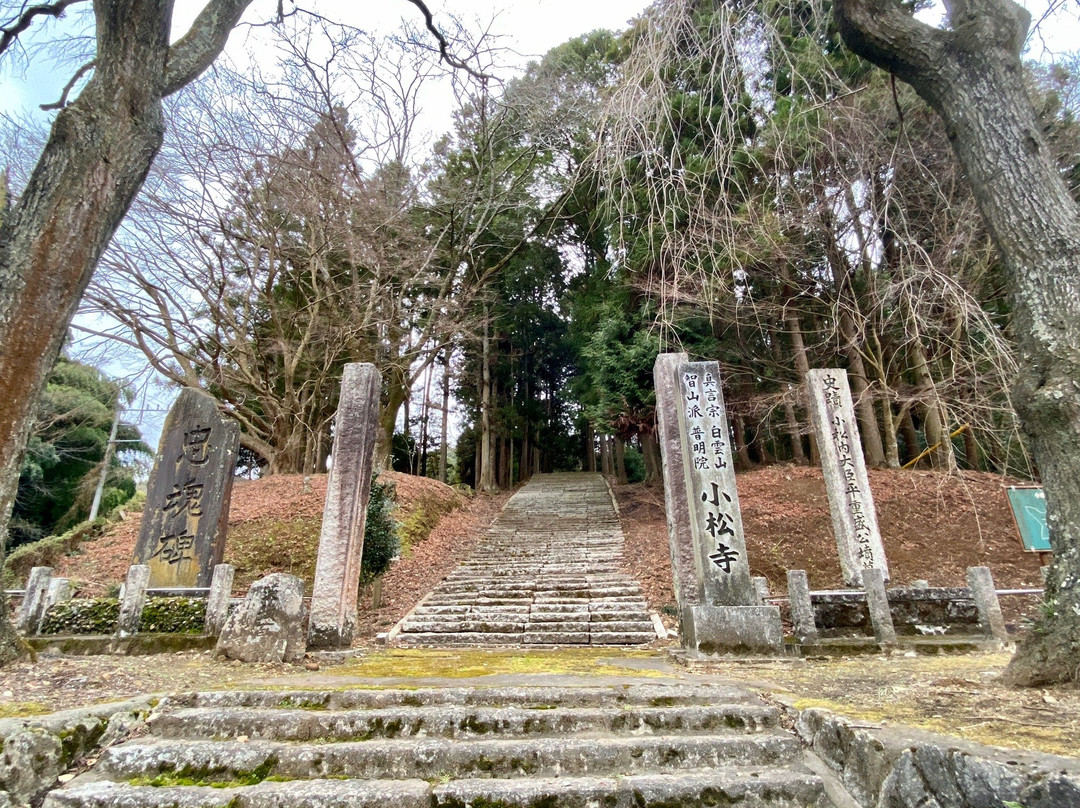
724,614
850,501
185,517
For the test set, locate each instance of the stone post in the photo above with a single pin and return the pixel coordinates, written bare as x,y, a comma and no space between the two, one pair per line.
850,500
341,543
33,605
725,614
217,602
133,600
983,592
676,499
59,592
182,535
802,609
761,588
877,601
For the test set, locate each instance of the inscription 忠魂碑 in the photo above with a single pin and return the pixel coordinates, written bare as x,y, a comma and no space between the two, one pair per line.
182,535
851,503
716,524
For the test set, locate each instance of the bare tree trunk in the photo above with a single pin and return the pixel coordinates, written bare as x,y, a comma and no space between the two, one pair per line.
973,77
802,367
620,460
444,446
650,448
971,450
742,449
590,449
892,450
935,425
487,461
95,161
864,400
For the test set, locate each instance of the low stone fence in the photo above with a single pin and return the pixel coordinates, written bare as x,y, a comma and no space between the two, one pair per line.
932,610
47,607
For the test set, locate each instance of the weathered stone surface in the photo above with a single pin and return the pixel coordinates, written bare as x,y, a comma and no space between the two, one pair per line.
715,522
186,514
59,592
877,602
34,603
802,610
712,630
217,602
133,600
341,543
30,763
761,589
851,502
991,621
903,768
676,496
268,625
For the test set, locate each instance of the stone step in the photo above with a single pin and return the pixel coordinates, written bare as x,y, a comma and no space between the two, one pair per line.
295,794
544,697
746,788
429,758
455,722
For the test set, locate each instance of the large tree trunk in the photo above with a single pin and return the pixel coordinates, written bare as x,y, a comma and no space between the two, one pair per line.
95,161
486,461
935,423
802,367
444,445
650,448
972,76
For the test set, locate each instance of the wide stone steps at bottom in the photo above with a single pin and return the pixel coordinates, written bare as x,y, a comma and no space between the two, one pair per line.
639,746
757,788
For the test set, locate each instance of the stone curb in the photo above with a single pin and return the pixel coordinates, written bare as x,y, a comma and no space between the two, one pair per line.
883,766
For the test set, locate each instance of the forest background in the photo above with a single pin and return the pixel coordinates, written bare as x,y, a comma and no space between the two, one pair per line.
721,179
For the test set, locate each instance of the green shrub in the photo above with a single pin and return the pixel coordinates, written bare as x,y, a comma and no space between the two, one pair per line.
82,616
174,615
380,532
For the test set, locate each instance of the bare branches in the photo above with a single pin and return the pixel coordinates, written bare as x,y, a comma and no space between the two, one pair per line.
60,104
10,31
444,46
198,48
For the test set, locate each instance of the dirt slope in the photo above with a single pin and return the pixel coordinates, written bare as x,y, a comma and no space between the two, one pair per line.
274,526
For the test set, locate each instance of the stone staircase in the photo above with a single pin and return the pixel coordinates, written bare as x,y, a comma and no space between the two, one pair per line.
615,746
547,573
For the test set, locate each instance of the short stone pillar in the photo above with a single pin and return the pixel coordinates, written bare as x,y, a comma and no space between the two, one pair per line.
723,611
877,602
851,503
1044,573
217,602
182,535
983,592
33,604
269,625
133,600
761,589
802,609
341,543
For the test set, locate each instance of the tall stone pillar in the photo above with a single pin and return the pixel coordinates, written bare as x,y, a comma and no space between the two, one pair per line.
341,543
704,522
851,503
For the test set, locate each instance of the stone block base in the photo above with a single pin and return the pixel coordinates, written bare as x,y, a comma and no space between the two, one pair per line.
713,630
